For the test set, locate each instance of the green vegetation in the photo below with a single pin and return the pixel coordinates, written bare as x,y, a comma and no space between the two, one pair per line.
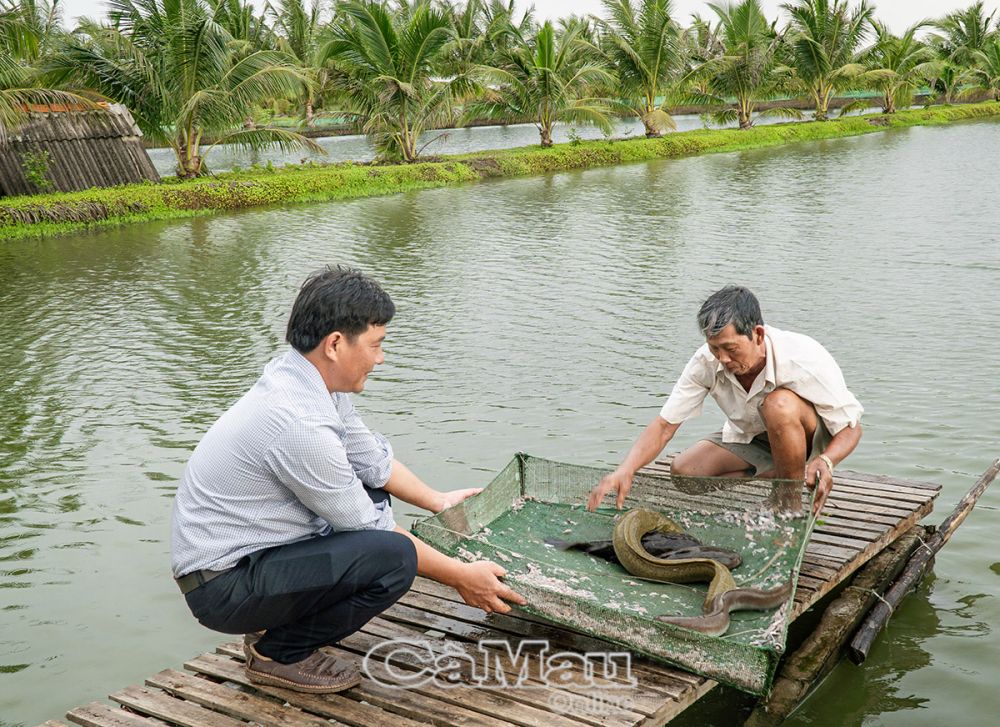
646,50
901,62
29,33
190,70
40,215
386,63
36,169
748,69
825,41
182,75
544,79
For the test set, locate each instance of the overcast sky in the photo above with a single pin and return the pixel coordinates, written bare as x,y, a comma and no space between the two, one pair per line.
897,14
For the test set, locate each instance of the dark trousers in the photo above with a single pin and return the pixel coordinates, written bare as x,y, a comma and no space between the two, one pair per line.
308,594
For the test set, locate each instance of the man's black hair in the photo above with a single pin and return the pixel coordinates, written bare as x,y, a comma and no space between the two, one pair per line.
336,299
733,304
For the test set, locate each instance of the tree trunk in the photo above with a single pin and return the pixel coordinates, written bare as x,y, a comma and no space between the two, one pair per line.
888,104
309,112
744,110
651,131
409,151
546,134
189,162
822,105
408,146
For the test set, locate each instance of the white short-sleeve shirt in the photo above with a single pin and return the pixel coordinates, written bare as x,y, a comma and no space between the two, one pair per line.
794,361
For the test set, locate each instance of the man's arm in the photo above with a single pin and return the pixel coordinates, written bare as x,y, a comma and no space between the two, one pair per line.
309,459
478,583
649,444
405,485
841,445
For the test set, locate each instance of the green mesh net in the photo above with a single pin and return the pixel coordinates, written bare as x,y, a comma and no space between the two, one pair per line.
765,521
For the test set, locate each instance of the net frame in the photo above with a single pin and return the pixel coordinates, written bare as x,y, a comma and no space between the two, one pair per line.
767,521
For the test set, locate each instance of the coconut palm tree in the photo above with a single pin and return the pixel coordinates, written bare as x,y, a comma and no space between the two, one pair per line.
963,33
583,26
29,33
988,68
481,30
548,80
900,64
748,70
825,38
385,71
947,80
20,87
180,75
249,30
502,14
702,43
300,34
646,50
30,29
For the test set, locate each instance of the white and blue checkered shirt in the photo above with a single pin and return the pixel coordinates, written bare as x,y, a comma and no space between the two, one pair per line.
288,461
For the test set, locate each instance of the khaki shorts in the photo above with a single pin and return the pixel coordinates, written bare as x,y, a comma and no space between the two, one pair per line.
758,452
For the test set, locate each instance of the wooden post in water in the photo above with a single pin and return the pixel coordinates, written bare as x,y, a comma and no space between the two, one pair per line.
876,620
823,648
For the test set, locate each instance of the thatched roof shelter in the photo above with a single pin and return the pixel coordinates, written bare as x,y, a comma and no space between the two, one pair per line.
66,148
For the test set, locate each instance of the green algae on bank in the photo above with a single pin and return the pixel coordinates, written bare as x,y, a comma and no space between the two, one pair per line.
54,214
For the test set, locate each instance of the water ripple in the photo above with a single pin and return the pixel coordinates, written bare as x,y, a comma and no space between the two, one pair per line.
548,314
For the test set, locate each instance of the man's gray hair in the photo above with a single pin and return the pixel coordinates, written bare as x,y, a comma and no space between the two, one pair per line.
733,304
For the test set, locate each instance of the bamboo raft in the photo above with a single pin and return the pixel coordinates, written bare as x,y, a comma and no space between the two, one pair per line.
863,515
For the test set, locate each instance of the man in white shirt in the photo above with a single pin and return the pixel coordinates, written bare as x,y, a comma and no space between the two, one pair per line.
789,413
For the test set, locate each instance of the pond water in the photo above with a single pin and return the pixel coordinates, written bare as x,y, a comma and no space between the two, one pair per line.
547,314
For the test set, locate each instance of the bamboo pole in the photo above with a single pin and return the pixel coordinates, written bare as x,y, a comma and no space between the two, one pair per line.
876,620
823,648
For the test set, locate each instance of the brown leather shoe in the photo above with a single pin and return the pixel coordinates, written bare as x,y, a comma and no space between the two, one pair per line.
319,673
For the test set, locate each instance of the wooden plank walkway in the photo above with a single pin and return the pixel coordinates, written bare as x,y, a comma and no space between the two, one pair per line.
863,514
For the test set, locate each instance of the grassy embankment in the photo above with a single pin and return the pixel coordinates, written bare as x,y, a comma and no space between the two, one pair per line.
51,214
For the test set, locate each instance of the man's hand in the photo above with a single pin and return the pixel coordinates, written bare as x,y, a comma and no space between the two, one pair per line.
450,499
649,444
618,481
817,468
479,585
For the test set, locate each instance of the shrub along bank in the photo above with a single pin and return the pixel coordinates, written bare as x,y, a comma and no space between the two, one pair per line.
39,215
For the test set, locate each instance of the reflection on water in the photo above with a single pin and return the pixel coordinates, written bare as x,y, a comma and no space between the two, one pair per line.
879,689
546,314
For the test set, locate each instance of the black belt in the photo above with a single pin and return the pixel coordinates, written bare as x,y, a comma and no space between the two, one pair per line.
196,578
